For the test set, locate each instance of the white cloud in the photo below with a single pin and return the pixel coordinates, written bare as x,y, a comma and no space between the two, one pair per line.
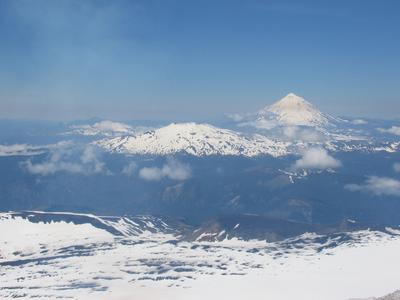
173,169
90,157
378,186
317,158
309,135
57,162
52,166
31,150
151,174
61,159
259,124
106,128
290,132
359,122
393,130
111,126
235,117
28,150
129,169
396,167
306,135
176,170
20,149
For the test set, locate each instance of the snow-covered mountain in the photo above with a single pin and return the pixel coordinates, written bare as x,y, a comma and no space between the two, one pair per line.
293,110
195,139
205,140
299,123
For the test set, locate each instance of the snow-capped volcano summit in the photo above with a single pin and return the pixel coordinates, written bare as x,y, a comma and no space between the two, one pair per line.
293,110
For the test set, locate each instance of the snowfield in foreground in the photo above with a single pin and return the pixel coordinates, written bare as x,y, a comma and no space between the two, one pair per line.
81,261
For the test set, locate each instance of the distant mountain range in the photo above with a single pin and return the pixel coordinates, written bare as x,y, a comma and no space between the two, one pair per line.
285,127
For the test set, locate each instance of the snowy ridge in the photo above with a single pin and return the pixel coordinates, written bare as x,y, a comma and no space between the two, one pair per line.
195,139
118,226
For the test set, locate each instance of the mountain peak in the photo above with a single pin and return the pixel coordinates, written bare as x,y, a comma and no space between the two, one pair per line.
295,110
290,102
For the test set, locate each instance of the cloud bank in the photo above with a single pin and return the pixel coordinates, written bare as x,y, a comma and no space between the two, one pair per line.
359,122
105,128
172,169
294,133
393,130
378,186
52,166
259,124
317,158
63,159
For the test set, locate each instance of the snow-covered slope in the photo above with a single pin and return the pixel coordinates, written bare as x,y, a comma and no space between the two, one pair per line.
65,260
195,139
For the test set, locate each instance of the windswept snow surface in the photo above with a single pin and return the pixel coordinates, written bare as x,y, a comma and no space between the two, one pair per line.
80,261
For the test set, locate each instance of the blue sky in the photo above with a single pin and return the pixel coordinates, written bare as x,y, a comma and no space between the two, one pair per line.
181,60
